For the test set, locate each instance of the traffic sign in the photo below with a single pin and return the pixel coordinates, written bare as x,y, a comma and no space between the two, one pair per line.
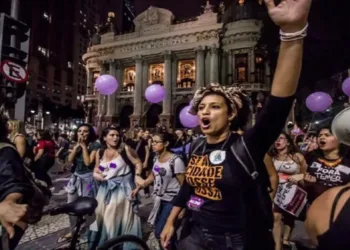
13,71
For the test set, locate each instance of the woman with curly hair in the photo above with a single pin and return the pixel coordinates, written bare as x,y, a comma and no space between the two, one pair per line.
225,201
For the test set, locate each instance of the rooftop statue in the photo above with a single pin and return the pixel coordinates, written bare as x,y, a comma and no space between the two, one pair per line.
100,29
208,8
151,16
95,38
222,8
110,26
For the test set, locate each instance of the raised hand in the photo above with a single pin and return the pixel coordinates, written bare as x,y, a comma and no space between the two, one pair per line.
290,15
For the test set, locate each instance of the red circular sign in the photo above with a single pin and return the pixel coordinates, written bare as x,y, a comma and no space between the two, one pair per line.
13,72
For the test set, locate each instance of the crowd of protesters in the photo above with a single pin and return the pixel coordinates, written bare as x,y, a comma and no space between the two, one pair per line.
228,187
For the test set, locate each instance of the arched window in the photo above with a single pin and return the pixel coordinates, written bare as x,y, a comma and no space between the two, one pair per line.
129,79
241,68
186,76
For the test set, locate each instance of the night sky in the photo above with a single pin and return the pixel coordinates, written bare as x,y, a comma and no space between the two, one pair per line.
182,9
327,47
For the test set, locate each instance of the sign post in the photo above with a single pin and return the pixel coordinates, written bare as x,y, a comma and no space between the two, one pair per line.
13,72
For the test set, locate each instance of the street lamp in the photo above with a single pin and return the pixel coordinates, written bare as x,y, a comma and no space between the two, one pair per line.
47,112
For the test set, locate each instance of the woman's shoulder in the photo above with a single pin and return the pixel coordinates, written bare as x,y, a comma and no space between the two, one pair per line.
94,146
298,156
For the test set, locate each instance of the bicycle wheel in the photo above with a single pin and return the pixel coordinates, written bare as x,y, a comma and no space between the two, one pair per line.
119,241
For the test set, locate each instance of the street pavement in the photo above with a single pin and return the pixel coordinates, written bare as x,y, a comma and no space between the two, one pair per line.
44,235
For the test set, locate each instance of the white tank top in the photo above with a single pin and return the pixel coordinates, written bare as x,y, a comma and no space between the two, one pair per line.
114,168
286,167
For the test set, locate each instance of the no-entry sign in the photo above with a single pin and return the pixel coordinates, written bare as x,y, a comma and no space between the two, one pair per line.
13,72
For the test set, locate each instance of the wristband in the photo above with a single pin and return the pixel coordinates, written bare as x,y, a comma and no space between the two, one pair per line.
287,37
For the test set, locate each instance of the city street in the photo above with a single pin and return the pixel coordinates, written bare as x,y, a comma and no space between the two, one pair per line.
45,234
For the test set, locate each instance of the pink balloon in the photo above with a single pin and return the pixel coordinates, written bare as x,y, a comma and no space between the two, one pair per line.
318,101
155,93
346,86
187,119
106,84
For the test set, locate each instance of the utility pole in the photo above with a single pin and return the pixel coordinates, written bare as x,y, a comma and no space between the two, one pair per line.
14,47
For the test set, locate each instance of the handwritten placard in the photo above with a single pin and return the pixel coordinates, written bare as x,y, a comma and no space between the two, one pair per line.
291,198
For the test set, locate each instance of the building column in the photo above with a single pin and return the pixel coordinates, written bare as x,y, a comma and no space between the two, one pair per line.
135,117
200,67
233,56
230,68
165,117
101,98
214,65
89,87
251,66
120,79
111,99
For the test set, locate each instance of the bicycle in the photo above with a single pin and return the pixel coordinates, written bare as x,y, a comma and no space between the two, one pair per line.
79,208
118,242
82,207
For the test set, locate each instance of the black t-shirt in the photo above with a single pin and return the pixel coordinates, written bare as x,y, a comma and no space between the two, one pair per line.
217,181
328,173
64,144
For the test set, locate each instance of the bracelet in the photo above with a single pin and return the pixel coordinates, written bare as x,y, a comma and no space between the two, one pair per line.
287,37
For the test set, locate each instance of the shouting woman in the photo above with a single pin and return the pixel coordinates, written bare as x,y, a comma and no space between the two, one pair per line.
291,167
328,166
116,211
218,190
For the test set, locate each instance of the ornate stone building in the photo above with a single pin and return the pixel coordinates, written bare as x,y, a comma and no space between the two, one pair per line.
183,56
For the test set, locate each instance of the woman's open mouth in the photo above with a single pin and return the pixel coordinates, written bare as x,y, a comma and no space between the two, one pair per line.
322,143
205,123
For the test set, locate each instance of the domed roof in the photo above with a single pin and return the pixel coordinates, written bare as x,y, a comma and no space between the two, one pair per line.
244,9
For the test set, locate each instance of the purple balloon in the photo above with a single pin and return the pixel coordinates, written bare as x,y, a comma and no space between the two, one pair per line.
319,101
346,86
106,84
155,93
187,119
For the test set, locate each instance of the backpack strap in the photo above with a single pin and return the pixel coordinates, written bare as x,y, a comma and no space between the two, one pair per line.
172,164
7,145
243,156
195,145
335,203
125,157
101,152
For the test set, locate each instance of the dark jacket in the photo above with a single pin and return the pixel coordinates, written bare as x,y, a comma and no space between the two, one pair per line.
12,175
